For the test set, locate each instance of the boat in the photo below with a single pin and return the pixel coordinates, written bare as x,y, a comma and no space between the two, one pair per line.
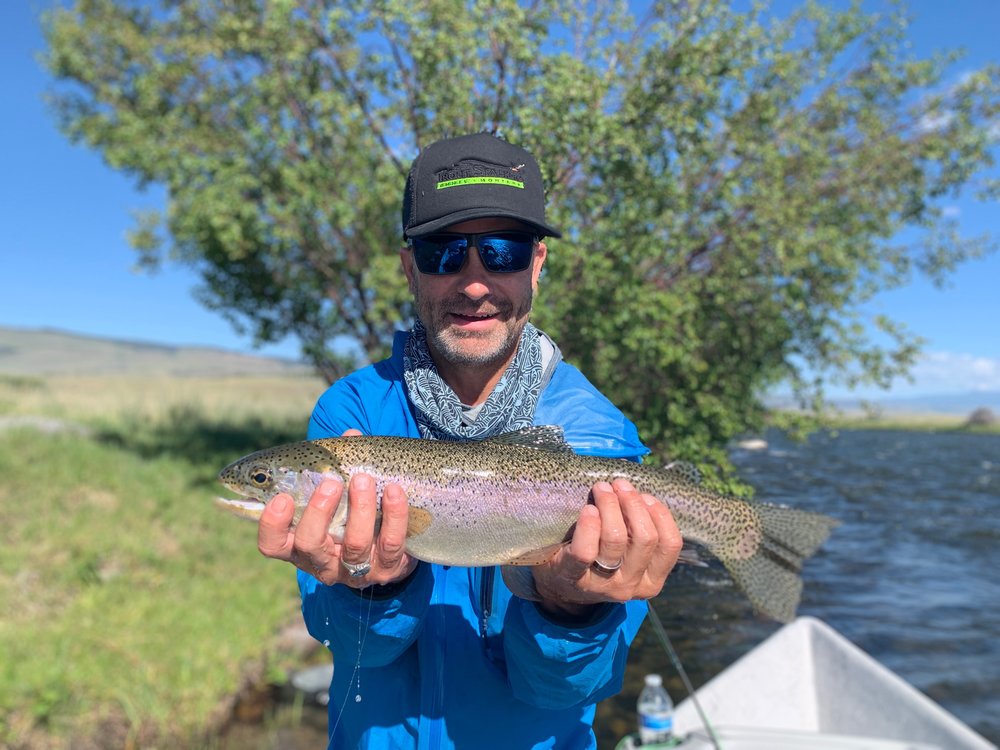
807,687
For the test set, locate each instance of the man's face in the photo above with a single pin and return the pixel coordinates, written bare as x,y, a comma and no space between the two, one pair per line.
474,318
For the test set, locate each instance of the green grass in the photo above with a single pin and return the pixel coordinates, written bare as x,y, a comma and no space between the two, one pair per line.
913,422
864,419
127,600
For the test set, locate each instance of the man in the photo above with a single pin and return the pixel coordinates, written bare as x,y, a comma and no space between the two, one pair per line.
430,656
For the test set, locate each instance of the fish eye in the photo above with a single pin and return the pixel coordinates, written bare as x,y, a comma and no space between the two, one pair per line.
260,477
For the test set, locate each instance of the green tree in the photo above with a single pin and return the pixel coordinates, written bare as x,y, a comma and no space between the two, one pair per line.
733,184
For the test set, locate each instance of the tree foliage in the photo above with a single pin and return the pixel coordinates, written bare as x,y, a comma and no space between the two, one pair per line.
734,185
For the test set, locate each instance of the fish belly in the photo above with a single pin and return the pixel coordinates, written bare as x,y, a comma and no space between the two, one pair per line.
475,521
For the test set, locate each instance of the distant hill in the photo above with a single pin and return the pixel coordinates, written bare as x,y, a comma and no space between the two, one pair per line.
949,404
941,403
46,351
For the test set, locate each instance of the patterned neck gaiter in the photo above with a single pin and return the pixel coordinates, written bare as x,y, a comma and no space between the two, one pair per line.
511,405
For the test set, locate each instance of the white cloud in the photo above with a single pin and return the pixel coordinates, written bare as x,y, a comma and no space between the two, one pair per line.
935,373
933,122
942,382
934,119
951,372
993,132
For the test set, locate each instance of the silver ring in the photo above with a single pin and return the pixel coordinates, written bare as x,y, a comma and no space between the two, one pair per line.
359,570
607,569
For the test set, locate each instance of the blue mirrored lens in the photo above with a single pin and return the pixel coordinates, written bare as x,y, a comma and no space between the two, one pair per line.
438,255
505,252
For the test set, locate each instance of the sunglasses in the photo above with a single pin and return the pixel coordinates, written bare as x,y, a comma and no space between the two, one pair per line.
500,252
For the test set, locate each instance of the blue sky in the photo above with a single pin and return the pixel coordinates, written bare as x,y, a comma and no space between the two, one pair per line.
66,264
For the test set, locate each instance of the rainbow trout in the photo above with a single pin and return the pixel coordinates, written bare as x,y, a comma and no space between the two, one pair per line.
511,500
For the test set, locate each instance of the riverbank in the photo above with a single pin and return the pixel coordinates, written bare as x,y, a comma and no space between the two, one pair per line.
915,423
133,611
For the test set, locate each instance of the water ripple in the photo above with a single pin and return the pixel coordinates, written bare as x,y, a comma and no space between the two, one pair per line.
911,575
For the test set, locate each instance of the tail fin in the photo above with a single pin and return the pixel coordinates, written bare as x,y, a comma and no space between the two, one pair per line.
770,577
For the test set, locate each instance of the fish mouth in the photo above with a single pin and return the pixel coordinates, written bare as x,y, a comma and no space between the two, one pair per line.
244,507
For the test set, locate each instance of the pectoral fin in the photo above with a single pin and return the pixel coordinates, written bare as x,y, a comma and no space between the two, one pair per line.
521,582
517,572
536,556
689,556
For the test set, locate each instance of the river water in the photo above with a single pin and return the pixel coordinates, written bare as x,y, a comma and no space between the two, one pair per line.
912,575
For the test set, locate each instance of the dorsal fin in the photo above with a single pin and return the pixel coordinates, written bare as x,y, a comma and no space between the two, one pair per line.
548,437
684,470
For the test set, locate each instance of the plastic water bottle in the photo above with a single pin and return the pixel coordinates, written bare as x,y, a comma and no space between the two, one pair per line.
656,712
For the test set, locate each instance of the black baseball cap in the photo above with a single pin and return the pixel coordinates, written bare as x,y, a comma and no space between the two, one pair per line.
473,177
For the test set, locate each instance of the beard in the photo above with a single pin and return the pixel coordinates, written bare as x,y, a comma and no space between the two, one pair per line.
480,349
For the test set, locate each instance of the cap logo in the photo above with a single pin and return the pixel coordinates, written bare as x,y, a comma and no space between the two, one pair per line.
479,173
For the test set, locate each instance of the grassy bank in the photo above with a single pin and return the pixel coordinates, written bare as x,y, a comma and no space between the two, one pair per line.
129,606
908,421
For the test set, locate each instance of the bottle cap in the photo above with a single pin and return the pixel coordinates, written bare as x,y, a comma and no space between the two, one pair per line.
654,679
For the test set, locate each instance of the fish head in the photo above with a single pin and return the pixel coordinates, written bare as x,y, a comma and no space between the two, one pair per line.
296,469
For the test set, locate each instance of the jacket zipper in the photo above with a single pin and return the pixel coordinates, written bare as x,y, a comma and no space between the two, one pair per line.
486,576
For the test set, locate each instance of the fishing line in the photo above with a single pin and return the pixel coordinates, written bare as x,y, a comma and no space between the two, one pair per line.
362,637
661,633
364,620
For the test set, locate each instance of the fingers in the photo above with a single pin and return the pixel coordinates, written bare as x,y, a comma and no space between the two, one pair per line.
312,548
627,541
622,526
669,541
389,548
614,538
364,555
377,547
359,533
584,546
313,527
368,552
642,532
274,538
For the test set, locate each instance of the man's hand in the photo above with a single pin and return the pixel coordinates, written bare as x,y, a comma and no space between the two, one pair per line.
623,548
310,547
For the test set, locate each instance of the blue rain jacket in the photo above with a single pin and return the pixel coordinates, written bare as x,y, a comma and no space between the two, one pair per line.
451,658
